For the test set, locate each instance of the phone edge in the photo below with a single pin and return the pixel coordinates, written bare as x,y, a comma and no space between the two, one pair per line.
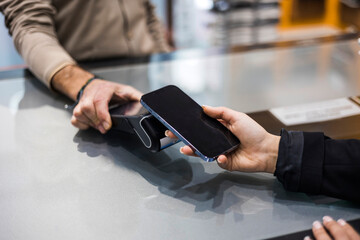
197,152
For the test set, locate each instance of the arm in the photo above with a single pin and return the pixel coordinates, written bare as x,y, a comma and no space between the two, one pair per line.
156,28
93,107
304,162
32,26
324,166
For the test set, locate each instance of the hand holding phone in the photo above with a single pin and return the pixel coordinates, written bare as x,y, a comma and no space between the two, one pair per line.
258,151
187,120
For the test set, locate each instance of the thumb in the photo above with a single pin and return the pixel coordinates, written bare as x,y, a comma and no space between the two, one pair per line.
222,113
128,93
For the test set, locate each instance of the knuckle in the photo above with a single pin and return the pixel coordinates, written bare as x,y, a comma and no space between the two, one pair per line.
102,115
73,122
86,107
77,113
76,124
330,225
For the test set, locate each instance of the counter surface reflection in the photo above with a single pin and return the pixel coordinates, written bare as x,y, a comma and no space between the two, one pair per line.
60,183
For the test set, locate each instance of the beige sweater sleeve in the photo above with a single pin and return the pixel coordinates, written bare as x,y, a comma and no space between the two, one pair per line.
31,24
156,28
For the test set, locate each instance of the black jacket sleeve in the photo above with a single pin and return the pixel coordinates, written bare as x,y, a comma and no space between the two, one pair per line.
316,164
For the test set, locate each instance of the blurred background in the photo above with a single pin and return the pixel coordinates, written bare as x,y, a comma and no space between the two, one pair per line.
237,23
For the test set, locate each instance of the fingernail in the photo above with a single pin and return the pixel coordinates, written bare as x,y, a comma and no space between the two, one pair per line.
327,219
342,222
307,238
317,225
181,150
167,132
106,125
221,159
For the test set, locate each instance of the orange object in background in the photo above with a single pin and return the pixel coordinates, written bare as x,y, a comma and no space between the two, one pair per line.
307,13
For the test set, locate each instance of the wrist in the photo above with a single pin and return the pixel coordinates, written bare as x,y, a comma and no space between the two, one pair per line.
70,80
272,153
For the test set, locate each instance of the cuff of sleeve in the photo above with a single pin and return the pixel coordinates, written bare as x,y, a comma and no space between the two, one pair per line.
312,163
57,69
288,166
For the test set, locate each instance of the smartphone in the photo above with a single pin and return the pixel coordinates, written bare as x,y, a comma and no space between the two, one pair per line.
187,120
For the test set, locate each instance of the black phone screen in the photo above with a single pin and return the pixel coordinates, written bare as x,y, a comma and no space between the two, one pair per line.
187,118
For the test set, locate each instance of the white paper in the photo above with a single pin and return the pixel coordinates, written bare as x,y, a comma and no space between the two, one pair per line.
316,112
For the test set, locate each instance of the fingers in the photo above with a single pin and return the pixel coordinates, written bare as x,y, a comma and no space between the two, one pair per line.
93,107
334,228
319,231
348,229
127,93
79,119
101,103
187,151
221,113
337,230
222,161
85,112
79,124
169,134
225,116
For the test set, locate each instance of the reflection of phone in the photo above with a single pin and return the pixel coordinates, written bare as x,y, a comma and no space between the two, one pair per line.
128,109
187,120
123,114
132,117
